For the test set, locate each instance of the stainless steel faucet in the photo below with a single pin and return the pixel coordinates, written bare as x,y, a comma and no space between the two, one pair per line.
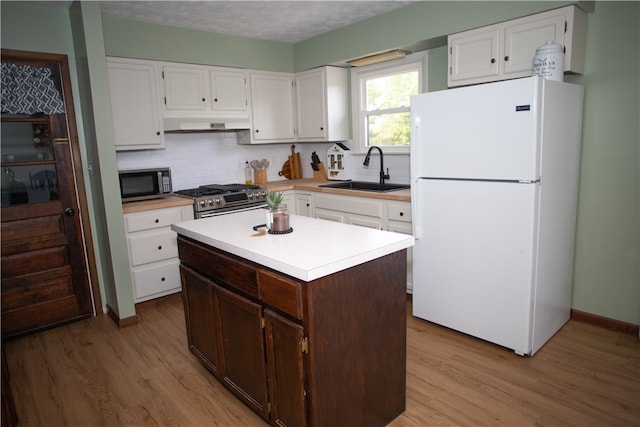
383,175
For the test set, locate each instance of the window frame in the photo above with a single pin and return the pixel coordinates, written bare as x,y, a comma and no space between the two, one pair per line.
413,62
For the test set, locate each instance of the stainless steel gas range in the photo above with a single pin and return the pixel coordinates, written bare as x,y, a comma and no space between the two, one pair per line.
218,199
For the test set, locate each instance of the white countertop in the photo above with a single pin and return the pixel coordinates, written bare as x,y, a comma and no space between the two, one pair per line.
314,249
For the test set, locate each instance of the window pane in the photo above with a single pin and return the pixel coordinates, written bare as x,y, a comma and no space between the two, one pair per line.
28,184
389,129
391,91
26,142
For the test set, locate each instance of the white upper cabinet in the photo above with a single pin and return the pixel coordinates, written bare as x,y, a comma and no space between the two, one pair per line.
272,106
184,88
134,92
506,50
321,101
200,88
229,90
310,106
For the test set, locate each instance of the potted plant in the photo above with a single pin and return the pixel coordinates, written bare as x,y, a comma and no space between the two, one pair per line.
278,214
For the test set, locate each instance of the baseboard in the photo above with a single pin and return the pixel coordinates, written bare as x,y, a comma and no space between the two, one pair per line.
605,322
122,323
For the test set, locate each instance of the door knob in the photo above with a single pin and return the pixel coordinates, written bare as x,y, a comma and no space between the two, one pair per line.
69,212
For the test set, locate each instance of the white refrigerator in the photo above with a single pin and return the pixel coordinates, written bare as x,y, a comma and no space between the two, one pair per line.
494,187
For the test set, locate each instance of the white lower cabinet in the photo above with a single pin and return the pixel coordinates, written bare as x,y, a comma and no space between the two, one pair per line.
303,204
153,251
399,220
380,214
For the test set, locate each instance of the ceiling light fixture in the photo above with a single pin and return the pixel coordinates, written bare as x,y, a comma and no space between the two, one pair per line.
380,57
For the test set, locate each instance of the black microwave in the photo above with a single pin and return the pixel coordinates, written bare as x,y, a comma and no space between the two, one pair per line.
144,184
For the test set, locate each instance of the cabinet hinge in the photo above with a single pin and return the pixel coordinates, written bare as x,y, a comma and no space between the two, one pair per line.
262,322
304,345
450,70
165,100
162,74
451,50
565,26
269,407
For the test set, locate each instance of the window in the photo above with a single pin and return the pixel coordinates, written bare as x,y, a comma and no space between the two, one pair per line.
381,103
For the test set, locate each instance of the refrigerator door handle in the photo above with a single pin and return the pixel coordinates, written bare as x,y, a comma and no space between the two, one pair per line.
416,211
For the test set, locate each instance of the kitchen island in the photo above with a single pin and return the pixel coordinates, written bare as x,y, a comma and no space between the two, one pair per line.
306,328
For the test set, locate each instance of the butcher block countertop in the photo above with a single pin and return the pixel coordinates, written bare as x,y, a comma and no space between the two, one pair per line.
315,248
312,185
165,202
283,185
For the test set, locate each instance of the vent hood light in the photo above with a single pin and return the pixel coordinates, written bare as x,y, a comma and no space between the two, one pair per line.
201,124
380,57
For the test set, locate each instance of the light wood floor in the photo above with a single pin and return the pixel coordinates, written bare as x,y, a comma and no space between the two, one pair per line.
92,374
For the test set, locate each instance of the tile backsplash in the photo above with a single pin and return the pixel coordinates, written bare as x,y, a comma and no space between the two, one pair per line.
207,158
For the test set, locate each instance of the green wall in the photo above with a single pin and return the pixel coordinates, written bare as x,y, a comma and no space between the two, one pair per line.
157,42
607,276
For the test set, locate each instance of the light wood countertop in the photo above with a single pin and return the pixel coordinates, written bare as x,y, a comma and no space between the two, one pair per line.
312,185
165,202
307,184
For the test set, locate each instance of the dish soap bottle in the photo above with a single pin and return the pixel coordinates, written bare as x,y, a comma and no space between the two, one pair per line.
247,173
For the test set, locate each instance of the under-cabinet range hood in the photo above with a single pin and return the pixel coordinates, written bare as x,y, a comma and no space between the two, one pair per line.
205,124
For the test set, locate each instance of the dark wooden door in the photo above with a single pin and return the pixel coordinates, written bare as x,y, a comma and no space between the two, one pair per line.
202,318
45,279
243,349
286,370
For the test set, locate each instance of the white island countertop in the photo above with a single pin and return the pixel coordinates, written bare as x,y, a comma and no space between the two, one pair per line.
315,248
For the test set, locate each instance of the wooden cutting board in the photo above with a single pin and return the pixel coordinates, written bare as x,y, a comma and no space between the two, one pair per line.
286,170
292,168
293,162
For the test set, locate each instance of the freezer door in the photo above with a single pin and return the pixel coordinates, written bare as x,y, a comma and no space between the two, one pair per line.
474,256
487,131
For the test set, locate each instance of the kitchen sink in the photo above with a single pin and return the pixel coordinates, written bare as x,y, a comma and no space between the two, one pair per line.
366,186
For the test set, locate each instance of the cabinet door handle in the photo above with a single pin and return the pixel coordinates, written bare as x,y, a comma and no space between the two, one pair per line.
257,130
401,213
157,220
493,60
159,247
506,58
215,99
163,279
203,99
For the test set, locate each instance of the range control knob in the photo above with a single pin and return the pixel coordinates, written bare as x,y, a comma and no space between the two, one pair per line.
210,202
203,203
218,201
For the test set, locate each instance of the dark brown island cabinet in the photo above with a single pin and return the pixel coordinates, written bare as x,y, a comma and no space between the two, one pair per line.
327,352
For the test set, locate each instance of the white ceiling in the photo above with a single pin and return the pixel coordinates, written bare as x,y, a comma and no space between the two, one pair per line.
275,20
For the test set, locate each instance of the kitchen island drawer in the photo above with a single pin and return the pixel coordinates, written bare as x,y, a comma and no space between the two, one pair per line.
155,280
148,220
223,269
153,246
281,293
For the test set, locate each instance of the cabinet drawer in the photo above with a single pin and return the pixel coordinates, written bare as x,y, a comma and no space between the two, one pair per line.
220,268
153,246
280,293
352,205
151,280
399,212
148,220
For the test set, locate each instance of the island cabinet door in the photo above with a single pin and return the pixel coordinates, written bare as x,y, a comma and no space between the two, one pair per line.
285,348
203,328
243,349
